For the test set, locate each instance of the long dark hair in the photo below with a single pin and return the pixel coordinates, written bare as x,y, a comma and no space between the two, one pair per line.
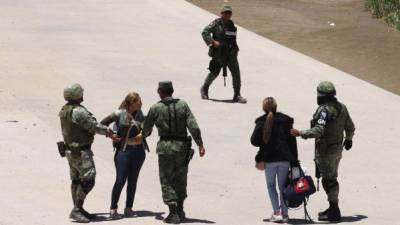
269,107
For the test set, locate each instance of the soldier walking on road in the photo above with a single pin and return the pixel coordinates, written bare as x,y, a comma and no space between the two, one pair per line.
220,36
329,123
173,118
78,129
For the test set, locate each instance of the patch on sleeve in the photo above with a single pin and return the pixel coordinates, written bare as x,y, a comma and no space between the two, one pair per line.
323,115
322,118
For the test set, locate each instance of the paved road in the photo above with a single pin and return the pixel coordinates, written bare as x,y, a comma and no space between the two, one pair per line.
112,47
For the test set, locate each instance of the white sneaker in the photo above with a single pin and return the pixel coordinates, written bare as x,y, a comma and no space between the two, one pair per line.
276,218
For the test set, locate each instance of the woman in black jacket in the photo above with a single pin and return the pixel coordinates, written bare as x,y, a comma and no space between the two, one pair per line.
277,150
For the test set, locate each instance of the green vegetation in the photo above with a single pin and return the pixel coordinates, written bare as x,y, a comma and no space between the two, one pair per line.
387,9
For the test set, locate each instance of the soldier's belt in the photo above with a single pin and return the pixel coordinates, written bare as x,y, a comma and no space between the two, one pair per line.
79,148
174,138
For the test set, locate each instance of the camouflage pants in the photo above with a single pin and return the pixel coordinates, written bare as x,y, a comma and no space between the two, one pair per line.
328,164
233,66
173,177
82,170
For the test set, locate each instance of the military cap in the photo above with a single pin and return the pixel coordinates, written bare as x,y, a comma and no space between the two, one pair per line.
165,86
73,92
226,8
326,88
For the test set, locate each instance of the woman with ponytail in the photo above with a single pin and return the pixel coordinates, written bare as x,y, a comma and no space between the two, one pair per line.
277,150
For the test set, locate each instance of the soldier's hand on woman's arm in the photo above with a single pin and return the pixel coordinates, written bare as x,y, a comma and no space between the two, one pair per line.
216,44
294,132
109,133
202,151
115,138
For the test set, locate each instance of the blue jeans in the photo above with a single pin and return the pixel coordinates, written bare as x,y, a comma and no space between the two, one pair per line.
128,164
277,171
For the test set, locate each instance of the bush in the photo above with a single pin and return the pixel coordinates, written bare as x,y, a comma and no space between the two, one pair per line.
387,9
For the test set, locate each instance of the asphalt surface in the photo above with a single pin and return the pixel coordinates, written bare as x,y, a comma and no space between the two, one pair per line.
113,47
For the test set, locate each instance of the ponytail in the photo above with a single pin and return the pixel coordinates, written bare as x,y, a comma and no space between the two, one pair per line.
269,107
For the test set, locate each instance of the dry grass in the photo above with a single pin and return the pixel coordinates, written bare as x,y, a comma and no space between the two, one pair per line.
387,9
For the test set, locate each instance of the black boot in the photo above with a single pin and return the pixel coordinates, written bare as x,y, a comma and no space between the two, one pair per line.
181,212
333,214
78,216
325,212
239,99
76,213
204,92
173,216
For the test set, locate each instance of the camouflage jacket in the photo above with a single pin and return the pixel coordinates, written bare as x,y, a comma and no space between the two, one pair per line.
329,123
224,33
79,126
173,118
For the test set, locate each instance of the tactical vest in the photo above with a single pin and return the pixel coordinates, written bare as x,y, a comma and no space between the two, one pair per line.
126,127
177,129
334,128
72,132
226,34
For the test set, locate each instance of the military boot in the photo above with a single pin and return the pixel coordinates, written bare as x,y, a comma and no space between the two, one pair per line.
181,212
77,215
239,99
173,216
204,92
333,214
325,212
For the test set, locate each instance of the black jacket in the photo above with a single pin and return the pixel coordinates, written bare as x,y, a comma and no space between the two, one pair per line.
282,146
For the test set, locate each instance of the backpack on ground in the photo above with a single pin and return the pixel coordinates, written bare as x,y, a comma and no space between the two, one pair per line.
298,189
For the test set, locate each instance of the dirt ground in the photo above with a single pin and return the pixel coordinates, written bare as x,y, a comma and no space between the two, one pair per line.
339,33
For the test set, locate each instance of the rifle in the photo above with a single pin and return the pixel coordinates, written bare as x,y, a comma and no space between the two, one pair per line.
227,43
223,56
317,174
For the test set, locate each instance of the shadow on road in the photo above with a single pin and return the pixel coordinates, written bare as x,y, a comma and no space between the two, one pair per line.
222,100
191,220
146,213
347,219
355,218
101,217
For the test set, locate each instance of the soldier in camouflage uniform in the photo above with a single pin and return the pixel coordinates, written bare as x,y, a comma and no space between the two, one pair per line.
329,123
220,36
78,129
173,118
